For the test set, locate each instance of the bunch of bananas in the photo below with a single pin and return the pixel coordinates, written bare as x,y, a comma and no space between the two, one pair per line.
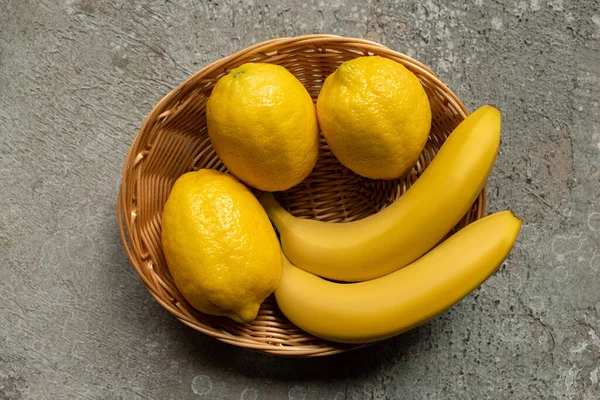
401,279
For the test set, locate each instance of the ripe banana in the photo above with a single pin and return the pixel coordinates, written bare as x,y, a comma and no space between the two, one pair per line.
377,309
417,221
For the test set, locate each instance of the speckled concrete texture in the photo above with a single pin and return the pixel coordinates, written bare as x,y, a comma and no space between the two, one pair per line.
78,77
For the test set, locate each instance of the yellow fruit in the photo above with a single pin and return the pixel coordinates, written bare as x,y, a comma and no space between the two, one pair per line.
263,126
375,116
219,245
384,307
413,224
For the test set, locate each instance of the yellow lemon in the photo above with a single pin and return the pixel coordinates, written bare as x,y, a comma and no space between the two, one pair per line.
375,116
220,246
263,125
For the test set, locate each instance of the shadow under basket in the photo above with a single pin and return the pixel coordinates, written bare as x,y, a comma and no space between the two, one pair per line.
173,140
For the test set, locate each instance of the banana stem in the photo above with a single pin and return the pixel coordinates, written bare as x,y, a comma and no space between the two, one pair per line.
277,214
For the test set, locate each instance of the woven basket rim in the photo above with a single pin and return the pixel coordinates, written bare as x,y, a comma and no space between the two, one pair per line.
133,157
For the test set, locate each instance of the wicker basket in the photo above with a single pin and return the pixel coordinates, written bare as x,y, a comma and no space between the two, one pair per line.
173,140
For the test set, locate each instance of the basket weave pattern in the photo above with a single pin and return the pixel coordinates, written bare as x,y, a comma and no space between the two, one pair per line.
173,140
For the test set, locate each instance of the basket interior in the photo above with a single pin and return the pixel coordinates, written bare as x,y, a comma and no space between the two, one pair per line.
174,140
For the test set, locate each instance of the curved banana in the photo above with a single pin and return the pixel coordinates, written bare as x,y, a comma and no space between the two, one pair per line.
384,307
413,224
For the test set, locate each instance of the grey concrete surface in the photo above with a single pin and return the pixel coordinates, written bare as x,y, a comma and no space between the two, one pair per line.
78,77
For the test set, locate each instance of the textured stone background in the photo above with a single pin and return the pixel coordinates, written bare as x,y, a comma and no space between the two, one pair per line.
78,77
